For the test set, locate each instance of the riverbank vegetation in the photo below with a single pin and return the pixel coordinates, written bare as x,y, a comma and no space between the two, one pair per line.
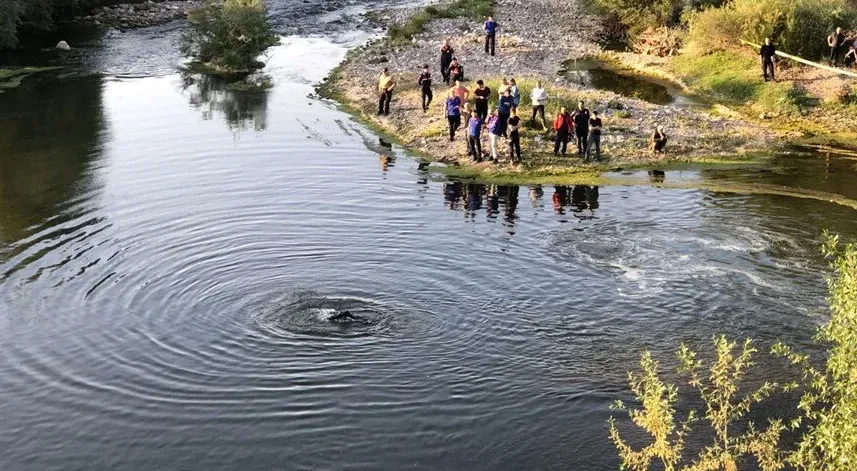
228,36
823,419
703,42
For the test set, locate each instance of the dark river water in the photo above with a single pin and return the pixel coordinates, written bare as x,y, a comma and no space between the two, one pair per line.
170,253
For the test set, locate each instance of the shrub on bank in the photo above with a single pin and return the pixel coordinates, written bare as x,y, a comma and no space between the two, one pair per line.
229,35
640,15
799,27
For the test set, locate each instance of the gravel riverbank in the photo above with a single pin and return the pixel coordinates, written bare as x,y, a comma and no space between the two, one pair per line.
139,14
534,38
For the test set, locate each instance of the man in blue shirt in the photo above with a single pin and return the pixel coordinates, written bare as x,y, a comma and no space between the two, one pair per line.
504,108
490,34
474,137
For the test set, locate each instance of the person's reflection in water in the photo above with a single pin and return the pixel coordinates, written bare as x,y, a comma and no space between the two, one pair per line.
657,176
423,176
578,197
492,202
536,193
386,161
452,195
510,196
560,199
473,195
592,198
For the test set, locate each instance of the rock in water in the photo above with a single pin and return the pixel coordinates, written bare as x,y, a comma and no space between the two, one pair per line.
63,46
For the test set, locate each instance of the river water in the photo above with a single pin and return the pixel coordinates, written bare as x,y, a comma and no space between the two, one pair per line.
170,253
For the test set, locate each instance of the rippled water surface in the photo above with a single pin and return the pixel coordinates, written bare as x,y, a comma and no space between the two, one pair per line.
171,255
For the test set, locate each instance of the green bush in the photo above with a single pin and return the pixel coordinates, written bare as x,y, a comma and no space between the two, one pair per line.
799,27
640,15
229,35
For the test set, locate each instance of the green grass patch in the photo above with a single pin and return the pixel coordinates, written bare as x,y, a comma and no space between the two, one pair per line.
735,79
474,9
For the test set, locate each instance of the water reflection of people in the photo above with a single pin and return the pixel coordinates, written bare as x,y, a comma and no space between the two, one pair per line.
657,176
452,194
510,196
241,109
560,199
386,162
473,197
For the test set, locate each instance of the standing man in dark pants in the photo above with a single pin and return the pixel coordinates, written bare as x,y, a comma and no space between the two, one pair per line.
474,137
490,35
453,114
482,94
768,53
514,136
445,60
581,127
836,40
425,88
504,108
594,137
563,126
386,84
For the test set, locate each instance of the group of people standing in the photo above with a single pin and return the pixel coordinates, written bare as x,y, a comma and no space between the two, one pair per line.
842,50
503,121
584,126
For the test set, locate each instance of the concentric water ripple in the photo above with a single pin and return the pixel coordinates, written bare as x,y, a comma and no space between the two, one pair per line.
166,300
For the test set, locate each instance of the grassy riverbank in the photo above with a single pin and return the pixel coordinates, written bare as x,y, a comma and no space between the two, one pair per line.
805,105
696,136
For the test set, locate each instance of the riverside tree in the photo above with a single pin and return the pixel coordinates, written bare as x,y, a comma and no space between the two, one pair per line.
229,35
826,421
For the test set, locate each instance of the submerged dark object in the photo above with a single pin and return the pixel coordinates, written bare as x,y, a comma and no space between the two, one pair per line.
343,316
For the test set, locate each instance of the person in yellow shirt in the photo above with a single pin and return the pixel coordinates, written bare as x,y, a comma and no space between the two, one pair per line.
386,84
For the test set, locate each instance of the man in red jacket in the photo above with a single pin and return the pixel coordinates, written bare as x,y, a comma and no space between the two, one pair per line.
564,126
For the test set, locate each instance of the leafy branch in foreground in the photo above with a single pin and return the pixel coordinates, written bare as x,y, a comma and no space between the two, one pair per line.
723,406
829,403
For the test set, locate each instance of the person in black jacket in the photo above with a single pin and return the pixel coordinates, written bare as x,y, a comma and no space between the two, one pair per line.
425,88
445,60
768,55
581,127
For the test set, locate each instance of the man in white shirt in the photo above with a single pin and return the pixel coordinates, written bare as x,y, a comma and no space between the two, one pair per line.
540,99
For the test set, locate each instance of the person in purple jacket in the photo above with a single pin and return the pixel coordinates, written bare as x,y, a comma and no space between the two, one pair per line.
474,137
490,34
453,114
494,132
